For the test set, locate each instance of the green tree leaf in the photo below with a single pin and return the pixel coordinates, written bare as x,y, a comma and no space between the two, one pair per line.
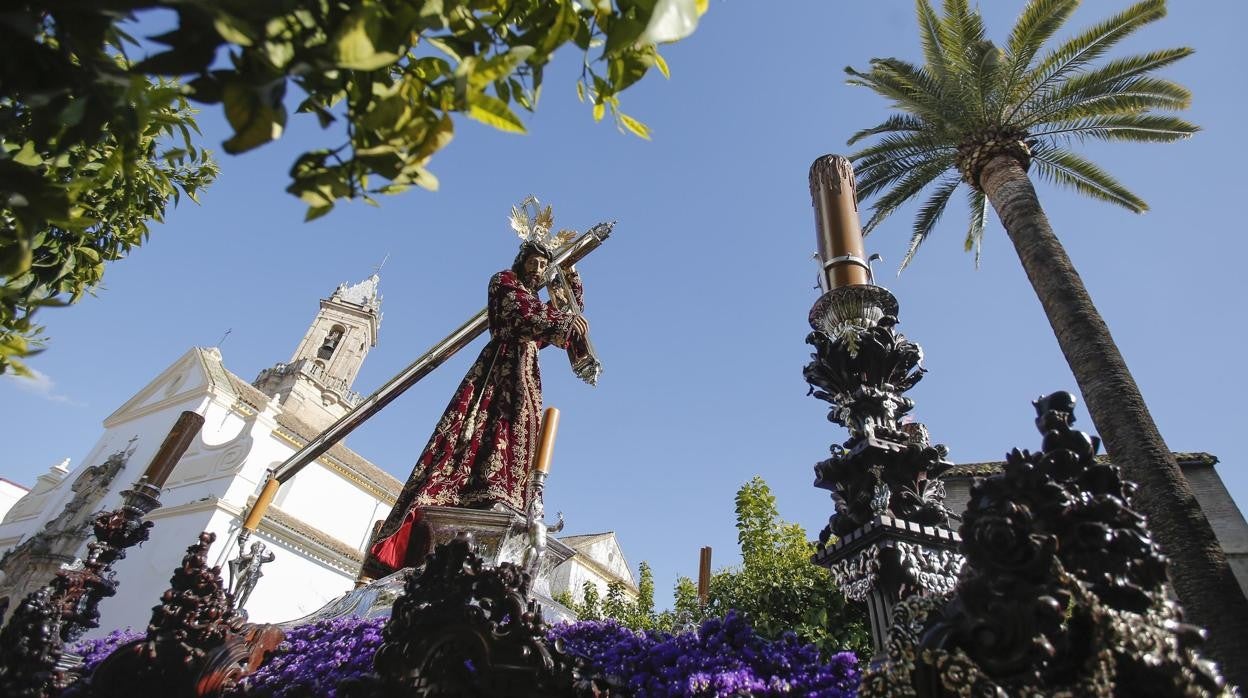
493,112
499,67
634,126
355,44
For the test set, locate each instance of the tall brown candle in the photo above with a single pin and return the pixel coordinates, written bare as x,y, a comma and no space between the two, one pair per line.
835,199
261,506
704,575
546,442
171,449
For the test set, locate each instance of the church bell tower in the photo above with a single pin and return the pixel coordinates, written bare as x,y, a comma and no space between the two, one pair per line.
315,385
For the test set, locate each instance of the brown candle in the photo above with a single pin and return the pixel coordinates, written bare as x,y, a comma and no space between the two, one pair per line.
704,575
546,442
834,195
175,444
262,504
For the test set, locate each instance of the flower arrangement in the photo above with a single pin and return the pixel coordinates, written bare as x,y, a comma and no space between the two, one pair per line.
314,658
94,651
725,657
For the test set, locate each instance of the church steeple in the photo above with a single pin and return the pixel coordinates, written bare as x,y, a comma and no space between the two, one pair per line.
315,385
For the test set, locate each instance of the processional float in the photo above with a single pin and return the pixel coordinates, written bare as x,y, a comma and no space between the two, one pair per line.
1051,586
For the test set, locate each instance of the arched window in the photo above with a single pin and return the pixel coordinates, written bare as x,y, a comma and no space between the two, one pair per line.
331,342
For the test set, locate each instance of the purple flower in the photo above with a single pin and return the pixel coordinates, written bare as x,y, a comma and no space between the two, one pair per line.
314,658
725,657
94,651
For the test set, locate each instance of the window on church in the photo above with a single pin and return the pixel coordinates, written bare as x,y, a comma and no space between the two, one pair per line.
331,343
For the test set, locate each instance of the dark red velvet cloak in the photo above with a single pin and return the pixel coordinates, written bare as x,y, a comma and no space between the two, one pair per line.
483,446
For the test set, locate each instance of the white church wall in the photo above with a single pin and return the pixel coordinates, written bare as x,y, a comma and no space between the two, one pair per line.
338,506
607,553
267,451
143,434
599,562
214,459
10,492
295,584
31,504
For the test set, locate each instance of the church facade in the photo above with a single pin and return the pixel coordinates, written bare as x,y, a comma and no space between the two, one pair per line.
319,523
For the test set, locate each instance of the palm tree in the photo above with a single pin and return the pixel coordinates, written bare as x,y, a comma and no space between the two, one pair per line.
985,116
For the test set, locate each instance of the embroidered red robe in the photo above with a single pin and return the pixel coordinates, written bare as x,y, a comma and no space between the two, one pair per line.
483,446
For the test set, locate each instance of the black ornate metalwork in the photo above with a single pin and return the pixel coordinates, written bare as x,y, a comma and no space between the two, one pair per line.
462,628
30,646
1063,590
863,366
196,645
69,605
80,590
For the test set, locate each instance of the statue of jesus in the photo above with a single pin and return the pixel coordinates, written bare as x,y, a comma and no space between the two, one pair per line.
482,449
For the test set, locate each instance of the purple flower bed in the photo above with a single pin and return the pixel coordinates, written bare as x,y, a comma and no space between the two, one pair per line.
94,651
725,657
314,658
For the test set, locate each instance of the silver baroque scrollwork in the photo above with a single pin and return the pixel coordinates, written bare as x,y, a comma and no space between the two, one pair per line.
936,571
858,574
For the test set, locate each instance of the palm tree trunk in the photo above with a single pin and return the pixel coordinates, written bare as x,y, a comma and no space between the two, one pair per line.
1210,595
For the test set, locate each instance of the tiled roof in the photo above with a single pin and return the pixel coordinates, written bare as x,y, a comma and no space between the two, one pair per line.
967,470
314,534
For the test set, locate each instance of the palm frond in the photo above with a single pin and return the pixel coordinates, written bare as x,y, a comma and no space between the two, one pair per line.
1087,47
884,167
907,144
1135,96
1155,128
895,123
979,218
874,179
984,79
928,216
909,184
1037,24
910,87
961,30
1114,76
1072,170
929,37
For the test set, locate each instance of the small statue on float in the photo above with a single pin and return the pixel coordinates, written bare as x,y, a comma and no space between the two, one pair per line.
245,572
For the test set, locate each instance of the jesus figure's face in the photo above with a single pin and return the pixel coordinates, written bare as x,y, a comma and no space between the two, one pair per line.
534,269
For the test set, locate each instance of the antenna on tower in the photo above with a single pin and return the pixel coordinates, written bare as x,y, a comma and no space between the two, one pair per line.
227,334
377,269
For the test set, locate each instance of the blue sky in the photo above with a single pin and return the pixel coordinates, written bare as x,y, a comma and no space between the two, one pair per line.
698,303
